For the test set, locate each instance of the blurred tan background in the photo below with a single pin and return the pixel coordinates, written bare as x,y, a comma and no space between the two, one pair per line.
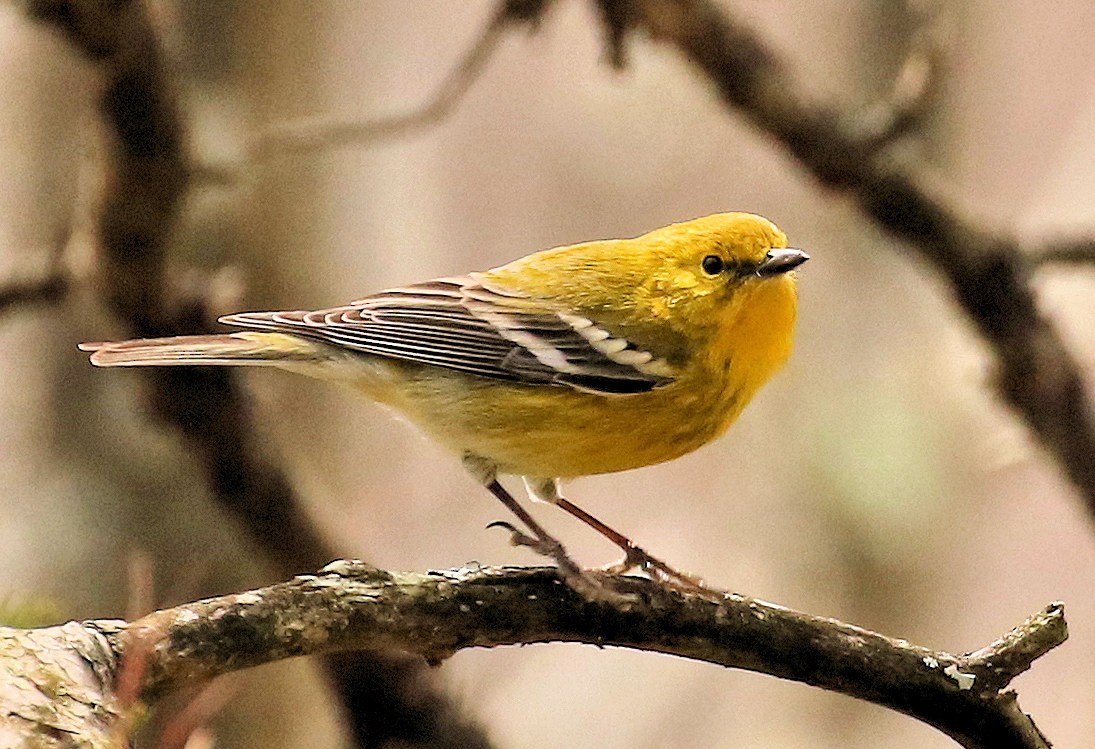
876,480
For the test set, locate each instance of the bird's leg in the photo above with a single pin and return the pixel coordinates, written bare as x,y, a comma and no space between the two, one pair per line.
547,490
540,541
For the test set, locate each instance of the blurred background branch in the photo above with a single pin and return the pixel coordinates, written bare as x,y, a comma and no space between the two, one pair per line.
309,135
1074,251
26,293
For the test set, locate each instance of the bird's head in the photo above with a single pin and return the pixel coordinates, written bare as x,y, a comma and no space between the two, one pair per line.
711,270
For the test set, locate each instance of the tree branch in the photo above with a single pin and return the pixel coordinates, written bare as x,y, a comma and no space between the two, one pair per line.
987,274
349,606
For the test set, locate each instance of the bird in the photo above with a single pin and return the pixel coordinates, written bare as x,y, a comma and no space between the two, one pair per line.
584,359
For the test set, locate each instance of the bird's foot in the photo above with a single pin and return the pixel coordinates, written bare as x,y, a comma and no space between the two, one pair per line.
636,557
586,584
546,546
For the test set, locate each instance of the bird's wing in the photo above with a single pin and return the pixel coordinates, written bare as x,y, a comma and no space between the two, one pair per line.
461,324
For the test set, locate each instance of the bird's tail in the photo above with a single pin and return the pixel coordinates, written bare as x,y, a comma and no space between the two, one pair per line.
230,349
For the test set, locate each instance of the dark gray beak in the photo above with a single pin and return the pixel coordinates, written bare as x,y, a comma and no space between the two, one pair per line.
781,261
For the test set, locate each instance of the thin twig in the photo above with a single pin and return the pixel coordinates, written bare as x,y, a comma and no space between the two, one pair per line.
1003,660
313,134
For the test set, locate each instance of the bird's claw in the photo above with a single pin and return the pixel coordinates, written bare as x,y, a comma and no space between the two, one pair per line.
547,547
518,537
636,557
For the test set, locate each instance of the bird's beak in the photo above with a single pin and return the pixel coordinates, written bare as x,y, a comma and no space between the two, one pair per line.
781,261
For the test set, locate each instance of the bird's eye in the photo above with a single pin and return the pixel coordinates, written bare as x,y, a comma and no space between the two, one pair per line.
713,265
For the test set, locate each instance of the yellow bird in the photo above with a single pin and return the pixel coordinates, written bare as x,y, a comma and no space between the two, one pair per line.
579,360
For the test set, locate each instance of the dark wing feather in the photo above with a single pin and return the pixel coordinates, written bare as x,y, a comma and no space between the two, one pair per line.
459,324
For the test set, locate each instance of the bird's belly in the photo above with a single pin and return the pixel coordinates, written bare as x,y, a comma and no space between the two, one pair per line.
549,431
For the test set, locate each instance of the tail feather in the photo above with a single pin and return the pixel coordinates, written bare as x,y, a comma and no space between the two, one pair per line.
231,349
